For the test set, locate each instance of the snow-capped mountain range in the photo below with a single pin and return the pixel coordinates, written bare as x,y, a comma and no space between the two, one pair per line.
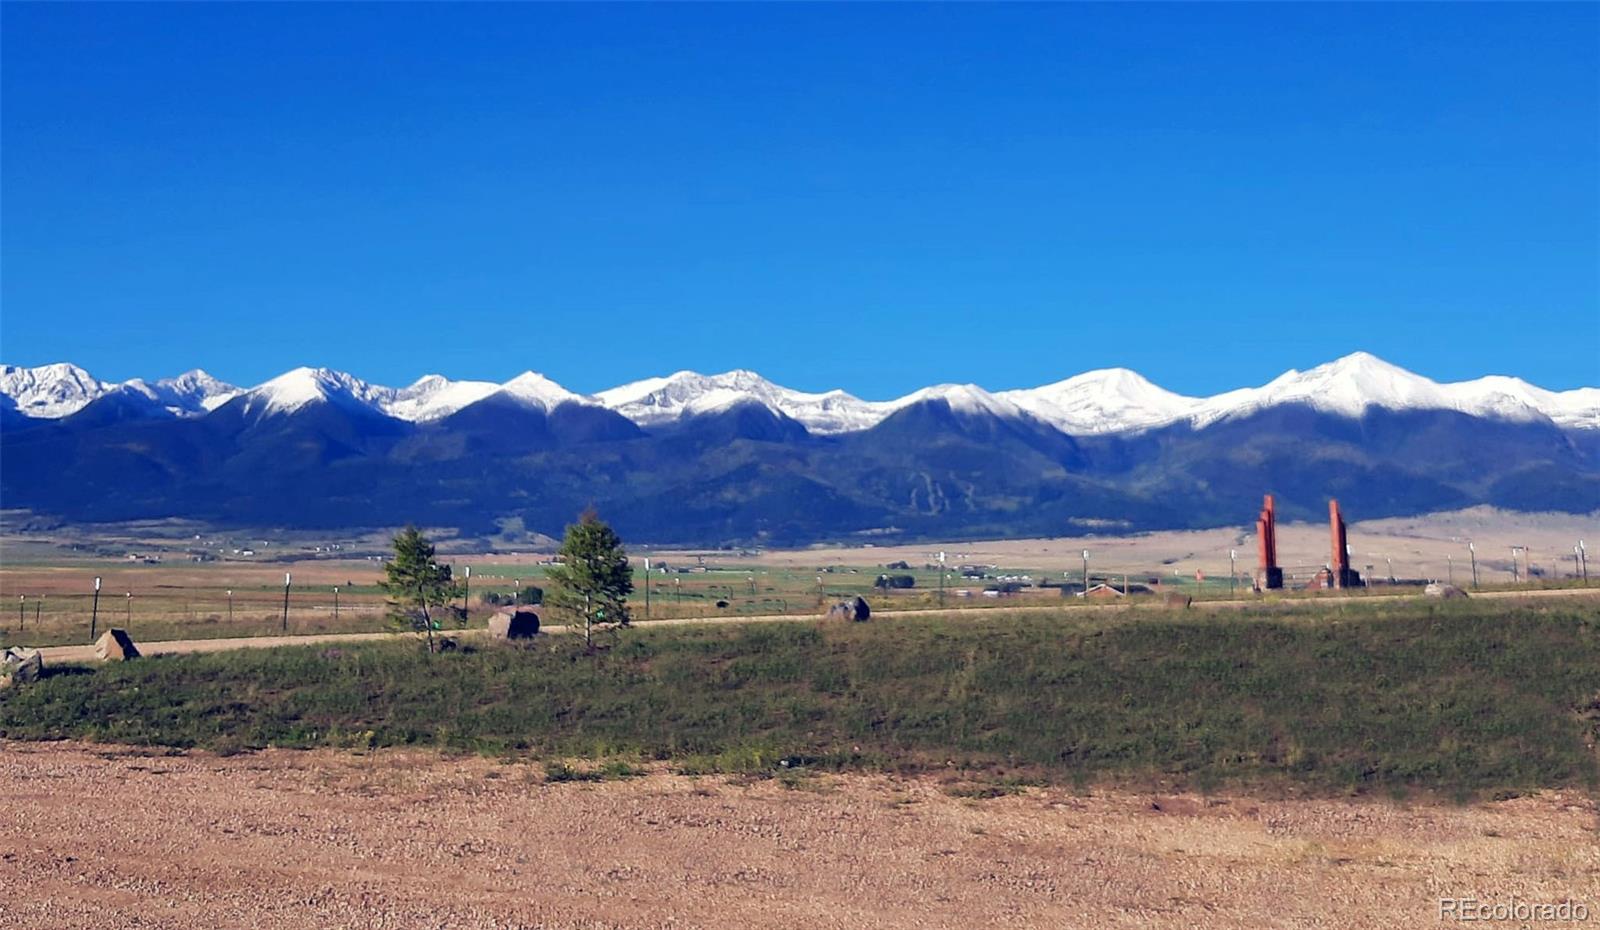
1102,402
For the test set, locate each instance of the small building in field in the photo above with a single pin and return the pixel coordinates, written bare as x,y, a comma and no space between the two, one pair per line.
1102,592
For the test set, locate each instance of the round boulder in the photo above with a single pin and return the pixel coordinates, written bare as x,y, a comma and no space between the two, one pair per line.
854,609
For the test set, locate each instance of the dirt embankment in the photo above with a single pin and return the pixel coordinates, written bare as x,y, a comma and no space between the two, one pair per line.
116,838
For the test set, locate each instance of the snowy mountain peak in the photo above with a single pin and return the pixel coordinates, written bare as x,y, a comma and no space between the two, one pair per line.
49,391
965,399
294,389
655,401
535,389
1103,401
432,397
189,394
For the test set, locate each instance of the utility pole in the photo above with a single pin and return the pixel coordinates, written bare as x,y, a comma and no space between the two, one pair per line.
230,605
647,588
1086,574
1583,560
285,602
1450,569
336,604
1514,576
941,577
1233,556
466,591
1472,550
130,609
38,605
94,612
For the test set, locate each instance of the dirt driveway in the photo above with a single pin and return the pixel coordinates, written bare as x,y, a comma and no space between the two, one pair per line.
105,837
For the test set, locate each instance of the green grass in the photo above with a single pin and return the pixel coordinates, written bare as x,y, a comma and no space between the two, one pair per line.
1462,698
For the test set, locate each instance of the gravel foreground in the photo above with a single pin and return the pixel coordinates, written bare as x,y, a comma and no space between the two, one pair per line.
113,837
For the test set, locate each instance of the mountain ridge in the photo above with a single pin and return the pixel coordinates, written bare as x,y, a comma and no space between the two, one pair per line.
1102,401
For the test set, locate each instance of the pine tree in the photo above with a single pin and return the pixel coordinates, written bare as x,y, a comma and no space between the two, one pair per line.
593,581
415,582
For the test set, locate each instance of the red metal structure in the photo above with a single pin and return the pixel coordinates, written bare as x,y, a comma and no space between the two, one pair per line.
1268,574
1341,575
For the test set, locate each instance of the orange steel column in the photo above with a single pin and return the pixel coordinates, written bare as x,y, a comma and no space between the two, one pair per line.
1340,564
1267,545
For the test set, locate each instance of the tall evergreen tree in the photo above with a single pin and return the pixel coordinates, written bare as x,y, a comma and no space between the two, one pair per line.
593,581
416,583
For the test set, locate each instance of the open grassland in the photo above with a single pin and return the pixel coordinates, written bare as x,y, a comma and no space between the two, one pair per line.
46,604
1465,698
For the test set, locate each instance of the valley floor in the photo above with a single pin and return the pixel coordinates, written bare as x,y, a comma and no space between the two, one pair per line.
100,836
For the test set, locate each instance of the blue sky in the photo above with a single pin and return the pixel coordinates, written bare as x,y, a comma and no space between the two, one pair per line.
870,197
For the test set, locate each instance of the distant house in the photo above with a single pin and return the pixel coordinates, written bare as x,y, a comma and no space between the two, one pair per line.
1104,591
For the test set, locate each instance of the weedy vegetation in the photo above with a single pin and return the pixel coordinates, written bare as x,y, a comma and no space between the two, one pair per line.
1464,699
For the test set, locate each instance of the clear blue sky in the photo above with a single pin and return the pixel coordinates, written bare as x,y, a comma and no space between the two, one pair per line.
872,197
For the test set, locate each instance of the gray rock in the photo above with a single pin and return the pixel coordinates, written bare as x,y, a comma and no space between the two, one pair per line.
22,665
514,623
855,610
1444,592
116,646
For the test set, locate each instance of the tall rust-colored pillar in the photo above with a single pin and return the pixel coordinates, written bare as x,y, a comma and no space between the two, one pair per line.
1268,574
1340,563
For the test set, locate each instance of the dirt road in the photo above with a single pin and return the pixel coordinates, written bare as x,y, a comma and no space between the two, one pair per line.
105,837
85,653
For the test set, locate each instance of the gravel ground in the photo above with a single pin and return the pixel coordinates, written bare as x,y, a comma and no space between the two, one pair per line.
112,837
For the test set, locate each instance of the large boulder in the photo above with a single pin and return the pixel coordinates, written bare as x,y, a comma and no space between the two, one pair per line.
854,609
20,666
514,623
1444,592
116,646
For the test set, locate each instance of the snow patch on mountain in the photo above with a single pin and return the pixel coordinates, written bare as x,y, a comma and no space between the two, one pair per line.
433,397
966,399
654,401
192,393
1351,385
49,391
1108,400
536,390
1097,402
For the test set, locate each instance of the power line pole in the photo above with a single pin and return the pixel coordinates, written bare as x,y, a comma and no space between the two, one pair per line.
941,578
1472,550
285,602
1086,574
466,592
1233,556
647,588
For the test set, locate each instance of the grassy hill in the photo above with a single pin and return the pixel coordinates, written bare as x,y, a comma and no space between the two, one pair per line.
1463,698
